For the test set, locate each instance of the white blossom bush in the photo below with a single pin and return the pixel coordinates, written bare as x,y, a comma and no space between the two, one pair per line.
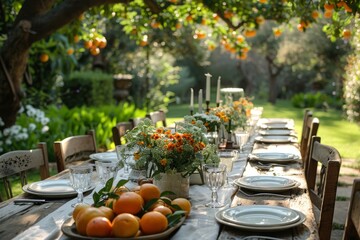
30,128
352,78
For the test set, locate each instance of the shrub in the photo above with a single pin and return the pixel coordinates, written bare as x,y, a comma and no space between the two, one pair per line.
310,100
89,88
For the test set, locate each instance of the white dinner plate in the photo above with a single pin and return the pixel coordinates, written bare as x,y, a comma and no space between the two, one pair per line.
266,183
273,157
261,215
52,189
288,126
276,139
276,120
219,218
277,132
104,156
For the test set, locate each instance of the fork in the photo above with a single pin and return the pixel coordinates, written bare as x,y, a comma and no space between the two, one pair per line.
270,165
265,194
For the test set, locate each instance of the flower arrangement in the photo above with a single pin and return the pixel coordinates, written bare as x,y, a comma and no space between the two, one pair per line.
230,117
210,121
159,150
243,105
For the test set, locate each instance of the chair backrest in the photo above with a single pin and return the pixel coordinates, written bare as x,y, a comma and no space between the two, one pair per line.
157,117
304,132
120,130
352,225
311,128
74,148
19,161
322,184
136,121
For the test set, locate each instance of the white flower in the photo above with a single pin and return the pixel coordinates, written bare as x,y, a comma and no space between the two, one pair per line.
32,126
8,141
45,120
45,129
6,132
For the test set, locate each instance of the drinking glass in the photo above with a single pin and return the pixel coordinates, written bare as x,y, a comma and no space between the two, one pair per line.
227,158
124,155
242,137
80,180
214,175
106,170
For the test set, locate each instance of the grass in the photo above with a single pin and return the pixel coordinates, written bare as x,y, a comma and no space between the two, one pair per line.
334,129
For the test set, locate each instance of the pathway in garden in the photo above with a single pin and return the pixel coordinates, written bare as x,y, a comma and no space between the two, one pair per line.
347,176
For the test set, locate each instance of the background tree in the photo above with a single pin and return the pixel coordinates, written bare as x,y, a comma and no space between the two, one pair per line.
38,19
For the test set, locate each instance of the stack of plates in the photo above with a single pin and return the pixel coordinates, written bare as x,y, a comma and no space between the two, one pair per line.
266,183
276,139
52,189
277,124
104,156
273,157
260,217
277,132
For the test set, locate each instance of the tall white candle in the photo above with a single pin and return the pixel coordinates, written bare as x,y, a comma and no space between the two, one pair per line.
191,99
218,90
200,100
208,78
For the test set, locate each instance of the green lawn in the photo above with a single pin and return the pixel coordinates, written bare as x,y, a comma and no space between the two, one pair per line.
334,129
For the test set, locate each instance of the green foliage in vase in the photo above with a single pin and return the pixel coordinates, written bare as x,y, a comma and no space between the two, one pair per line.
159,150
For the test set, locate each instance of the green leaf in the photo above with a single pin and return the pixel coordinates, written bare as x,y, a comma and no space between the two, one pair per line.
150,203
122,182
167,193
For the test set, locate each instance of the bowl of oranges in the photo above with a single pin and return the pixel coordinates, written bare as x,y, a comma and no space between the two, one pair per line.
122,213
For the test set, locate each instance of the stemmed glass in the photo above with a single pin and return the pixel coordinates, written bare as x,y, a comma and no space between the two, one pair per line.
80,180
214,175
123,155
106,170
227,158
242,138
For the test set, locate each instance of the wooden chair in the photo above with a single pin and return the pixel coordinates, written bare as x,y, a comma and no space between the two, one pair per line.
135,121
74,148
157,117
322,185
120,130
19,162
311,129
304,133
352,225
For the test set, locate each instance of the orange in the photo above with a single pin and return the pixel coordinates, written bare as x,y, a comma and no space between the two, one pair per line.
250,33
315,14
121,190
262,1
76,38
94,51
125,225
260,20
88,44
328,14
163,210
189,18
44,58
183,203
215,17
108,212
277,32
153,222
228,14
70,51
329,7
149,191
178,25
78,208
84,217
300,27
102,43
99,227
128,202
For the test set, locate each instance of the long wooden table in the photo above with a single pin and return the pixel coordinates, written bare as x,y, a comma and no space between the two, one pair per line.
15,219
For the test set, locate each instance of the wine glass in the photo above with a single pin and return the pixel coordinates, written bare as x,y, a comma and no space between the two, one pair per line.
214,175
242,137
227,158
106,170
80,180
124,155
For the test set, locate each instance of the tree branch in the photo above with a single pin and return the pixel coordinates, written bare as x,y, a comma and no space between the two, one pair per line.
45,24
154,7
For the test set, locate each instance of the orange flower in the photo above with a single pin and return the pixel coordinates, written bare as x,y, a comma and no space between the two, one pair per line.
160,130
136,155
170,146
155,136
141,143
163,162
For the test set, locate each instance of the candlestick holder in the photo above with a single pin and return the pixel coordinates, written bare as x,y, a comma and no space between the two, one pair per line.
191,112
217,104
207,106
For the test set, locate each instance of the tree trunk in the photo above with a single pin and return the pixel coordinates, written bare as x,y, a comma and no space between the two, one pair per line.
14,57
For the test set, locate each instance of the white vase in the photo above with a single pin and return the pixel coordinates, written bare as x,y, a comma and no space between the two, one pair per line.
196,179
173,182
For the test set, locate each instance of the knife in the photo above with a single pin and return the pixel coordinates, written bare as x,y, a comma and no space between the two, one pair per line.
34,201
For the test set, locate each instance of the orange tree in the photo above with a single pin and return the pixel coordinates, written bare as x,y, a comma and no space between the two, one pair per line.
228,23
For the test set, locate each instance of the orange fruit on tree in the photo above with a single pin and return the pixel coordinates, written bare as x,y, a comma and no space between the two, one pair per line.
262,1
300,27
44,58
78,208
99,227
153,223
260,20
84,217
163,210
315,14
203,21
88,44
125,225
228,14
329,7
216,17
149,191
70,51
76,38
346,34
178,25
128,202
108,212
183,203
102,43
277,32
328,14
189,18
94,51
